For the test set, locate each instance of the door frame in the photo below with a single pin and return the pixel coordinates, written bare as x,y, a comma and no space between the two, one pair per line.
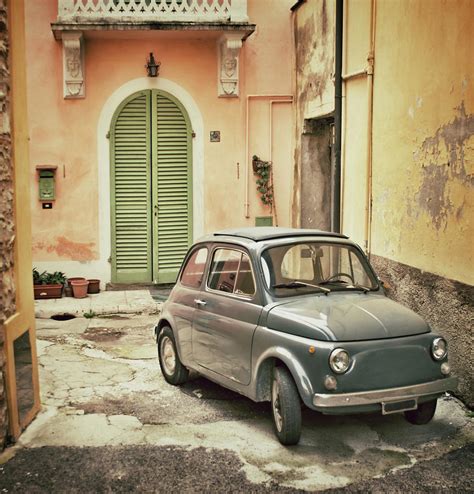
102,267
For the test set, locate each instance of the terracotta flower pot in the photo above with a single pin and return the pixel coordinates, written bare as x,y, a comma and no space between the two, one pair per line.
79,288
74,279
94,286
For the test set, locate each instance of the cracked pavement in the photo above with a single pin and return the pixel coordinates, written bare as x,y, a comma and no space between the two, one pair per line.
104,399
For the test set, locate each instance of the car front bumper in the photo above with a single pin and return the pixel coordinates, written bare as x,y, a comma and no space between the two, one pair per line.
382,396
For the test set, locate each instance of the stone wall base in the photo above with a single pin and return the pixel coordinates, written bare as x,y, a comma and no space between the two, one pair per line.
447,305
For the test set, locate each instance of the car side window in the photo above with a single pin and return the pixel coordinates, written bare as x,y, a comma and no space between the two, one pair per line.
193,272
231,272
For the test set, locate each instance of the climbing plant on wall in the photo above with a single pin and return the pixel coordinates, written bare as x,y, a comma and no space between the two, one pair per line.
263,171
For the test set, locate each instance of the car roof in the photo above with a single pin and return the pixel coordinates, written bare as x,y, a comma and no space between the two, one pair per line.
262,233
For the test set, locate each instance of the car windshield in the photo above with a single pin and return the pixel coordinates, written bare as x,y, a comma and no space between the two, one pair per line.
312,267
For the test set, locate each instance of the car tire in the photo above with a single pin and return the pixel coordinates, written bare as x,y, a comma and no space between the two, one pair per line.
286,407
423,414
173,370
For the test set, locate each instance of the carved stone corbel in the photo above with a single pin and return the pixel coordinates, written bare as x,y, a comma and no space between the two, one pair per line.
228,67
73,65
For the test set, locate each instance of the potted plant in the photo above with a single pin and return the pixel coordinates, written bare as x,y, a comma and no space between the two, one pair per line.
48,285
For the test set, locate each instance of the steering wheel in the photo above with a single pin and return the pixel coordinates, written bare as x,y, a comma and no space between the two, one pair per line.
337,275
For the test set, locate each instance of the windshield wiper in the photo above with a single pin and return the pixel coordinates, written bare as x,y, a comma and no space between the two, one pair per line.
346,284
300,284
360,287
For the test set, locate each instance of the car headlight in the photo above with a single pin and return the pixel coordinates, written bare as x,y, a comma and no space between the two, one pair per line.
339,361
439,348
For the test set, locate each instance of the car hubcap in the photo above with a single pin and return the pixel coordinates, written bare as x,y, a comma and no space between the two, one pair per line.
168,356
276,407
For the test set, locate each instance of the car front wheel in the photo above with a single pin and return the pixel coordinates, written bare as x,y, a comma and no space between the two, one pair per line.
286,407
173,370
423,414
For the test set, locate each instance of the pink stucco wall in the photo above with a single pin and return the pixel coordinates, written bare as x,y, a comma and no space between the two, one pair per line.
64,132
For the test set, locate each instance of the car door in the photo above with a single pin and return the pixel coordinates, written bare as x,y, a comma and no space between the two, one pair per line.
182,299
227,315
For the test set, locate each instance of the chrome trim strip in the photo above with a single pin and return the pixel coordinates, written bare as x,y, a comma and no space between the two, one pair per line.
384,395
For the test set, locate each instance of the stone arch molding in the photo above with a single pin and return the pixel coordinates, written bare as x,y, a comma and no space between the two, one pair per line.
105,119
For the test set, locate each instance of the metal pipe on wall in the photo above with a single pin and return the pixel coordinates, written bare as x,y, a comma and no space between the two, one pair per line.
284,98
369,73
275,102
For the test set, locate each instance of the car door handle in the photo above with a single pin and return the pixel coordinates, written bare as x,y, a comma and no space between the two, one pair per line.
199,302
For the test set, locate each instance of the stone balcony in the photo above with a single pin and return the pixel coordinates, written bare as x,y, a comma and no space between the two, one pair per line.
143,15
226,21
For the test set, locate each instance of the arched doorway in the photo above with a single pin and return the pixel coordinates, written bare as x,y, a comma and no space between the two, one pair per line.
151,188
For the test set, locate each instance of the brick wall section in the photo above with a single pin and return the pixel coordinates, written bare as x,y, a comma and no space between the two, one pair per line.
7,289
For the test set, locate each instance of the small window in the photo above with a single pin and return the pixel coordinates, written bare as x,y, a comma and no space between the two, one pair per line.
231,272
194,270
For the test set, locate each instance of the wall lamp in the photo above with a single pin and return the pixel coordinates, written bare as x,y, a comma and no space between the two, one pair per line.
152,67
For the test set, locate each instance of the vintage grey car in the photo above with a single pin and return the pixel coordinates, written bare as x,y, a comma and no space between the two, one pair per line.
299,316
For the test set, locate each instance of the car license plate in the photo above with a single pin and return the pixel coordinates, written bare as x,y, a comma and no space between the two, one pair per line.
399,406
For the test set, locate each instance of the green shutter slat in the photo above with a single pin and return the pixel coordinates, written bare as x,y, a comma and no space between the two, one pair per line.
173,186
131,191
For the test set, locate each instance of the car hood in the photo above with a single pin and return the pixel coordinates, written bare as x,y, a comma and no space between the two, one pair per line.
345,317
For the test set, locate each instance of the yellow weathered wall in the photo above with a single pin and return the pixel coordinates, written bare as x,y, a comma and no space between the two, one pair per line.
424,136
22,320
421,232
354,117
423,126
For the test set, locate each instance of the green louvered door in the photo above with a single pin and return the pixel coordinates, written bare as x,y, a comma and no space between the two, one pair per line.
171,151
151,188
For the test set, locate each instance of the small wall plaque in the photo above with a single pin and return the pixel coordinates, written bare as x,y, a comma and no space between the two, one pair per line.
215,136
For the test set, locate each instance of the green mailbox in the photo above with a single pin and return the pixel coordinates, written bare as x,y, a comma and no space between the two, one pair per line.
46,183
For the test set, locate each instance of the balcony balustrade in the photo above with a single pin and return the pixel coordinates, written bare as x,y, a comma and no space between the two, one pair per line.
117,11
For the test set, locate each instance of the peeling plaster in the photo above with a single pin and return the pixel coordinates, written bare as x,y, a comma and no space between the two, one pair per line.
63,247
442,159
314,58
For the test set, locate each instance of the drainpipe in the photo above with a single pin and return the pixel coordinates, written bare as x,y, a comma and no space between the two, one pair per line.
336,179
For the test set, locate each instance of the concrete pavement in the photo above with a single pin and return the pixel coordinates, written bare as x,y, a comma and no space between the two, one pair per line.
104,397
103,303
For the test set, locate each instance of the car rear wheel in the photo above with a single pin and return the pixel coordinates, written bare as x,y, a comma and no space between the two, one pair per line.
423,414
286,407
173,370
